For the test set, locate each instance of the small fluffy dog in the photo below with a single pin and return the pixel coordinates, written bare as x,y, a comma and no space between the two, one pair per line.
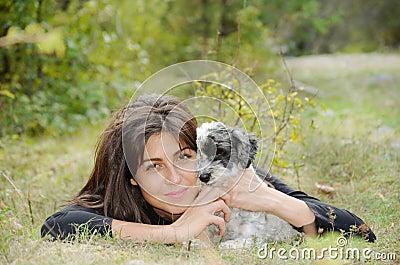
222,152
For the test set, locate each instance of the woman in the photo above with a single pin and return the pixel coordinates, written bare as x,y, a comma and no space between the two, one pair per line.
155,139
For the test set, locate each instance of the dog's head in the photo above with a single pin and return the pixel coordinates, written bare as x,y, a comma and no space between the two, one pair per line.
222,151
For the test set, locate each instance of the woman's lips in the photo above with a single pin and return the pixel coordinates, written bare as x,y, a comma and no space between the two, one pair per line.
176,194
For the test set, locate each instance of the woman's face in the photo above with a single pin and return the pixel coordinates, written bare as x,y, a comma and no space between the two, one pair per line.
167,174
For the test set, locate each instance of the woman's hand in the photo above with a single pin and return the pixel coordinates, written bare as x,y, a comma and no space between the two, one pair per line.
190,224
250,193
200,215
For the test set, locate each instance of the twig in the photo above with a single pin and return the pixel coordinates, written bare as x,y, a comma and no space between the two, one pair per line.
296,170
30,209
290,77
286,110
12,184
16,189
23,38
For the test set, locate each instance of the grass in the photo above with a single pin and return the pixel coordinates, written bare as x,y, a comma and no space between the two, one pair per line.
355,149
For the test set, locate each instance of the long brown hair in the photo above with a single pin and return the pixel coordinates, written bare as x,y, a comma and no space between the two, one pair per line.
120,150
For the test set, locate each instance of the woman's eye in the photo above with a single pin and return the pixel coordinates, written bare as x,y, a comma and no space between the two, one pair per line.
152,166
185,156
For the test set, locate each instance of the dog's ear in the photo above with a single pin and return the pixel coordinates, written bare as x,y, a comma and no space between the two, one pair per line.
247,147
253,141
253,148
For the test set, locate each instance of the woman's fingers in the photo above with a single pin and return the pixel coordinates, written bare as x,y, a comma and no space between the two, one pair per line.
218,221
204,211
226,198
220,206
201,216
226,210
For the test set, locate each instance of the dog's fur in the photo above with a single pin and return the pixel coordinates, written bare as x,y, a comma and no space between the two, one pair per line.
223,152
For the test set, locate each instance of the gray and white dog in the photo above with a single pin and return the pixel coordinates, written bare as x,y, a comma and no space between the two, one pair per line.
222,152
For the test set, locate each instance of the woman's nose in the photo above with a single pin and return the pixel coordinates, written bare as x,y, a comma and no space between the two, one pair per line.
174,175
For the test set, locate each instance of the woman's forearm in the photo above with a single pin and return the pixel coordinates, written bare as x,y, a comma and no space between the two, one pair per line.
295,211
188,226
292,210
253,194
262,198
144,232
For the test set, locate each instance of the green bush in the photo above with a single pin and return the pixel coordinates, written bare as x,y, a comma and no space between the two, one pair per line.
273,113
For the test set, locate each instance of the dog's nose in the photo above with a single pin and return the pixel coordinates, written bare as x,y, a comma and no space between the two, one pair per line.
205,177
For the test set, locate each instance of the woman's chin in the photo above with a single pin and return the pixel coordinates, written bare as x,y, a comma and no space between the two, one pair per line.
181,205
178,206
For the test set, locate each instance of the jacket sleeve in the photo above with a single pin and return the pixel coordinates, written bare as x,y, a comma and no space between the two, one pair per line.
327,217
74,219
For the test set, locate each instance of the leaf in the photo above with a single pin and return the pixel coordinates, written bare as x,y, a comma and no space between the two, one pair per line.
13,32
53,43
13,36
294,136
34,28
7,93
280,163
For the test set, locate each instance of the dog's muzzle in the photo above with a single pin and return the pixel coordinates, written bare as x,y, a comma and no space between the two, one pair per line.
205,177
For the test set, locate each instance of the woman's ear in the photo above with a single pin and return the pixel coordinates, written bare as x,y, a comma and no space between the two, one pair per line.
133,182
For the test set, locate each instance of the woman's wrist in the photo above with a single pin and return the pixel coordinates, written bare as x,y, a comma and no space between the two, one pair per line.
145,232
294,211
310,229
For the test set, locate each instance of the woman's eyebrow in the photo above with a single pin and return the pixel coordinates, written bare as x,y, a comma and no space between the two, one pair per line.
159,159
150,160
180,150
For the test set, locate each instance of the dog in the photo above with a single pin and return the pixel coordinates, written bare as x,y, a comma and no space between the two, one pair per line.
222,153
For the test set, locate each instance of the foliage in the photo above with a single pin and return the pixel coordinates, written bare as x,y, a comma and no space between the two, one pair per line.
366,26
273,113
66,63
70,63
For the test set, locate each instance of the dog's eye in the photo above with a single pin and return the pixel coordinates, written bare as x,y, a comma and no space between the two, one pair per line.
219,152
